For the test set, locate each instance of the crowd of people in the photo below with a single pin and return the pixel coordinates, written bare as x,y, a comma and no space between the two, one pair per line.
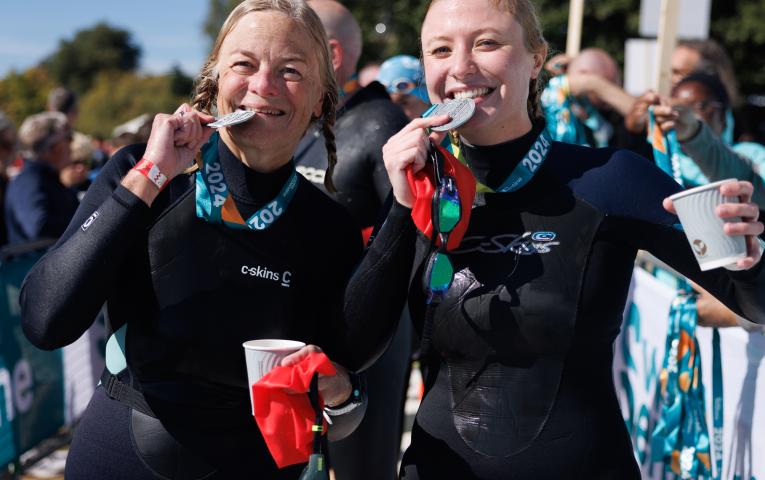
499,254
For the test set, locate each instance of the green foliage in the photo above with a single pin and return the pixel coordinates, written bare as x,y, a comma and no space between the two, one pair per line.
737,25
216,15
101,48
402,20
24,94
118,97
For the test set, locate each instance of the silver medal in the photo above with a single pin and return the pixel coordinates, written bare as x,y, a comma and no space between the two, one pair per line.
460,112
233,118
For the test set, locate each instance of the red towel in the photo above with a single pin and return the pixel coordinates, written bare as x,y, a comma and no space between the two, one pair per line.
283,411
422,185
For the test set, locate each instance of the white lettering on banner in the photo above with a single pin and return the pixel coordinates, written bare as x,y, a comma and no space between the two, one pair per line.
17,389
265,273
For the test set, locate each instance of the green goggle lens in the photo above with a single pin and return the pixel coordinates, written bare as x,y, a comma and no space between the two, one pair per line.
448,215
441,273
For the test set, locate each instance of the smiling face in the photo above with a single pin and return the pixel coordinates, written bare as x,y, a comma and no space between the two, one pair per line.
266,66
473,50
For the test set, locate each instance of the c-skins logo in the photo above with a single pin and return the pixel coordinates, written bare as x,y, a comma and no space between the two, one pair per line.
86,225
699,248
530,243
283,279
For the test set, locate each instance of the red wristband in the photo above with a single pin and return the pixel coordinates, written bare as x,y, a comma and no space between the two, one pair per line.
150,171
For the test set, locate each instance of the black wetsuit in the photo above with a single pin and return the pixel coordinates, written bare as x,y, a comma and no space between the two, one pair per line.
191,292
366,121
520,377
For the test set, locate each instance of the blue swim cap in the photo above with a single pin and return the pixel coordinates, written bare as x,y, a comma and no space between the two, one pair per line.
403,74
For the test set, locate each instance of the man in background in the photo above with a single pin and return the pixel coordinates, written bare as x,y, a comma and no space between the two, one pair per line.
366,119
37,205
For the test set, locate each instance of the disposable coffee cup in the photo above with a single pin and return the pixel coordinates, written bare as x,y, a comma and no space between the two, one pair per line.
263,355
704,229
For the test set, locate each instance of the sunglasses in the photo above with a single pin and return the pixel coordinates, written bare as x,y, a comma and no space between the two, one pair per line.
445,214
403,86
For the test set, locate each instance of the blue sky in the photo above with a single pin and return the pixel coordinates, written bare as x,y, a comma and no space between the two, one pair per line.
169,32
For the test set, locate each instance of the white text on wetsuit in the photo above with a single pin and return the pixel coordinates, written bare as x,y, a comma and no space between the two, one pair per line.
265,273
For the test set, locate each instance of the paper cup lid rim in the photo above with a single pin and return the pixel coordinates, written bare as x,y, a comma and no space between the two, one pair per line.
284,344
701,188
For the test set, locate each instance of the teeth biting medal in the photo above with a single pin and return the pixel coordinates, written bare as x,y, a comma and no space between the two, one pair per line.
460,112
233,118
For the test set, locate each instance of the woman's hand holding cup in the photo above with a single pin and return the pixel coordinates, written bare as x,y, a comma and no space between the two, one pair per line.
741,219
409,149
334,389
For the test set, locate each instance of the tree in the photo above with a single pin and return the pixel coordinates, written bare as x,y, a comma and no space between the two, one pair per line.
117,97
24,94
102,48
608,24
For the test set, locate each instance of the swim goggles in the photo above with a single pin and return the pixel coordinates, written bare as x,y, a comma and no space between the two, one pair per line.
445,214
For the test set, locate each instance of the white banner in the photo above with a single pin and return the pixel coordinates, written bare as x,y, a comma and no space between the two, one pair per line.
692,22
638,359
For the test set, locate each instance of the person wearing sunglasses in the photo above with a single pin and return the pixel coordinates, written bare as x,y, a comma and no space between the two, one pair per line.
519,288
402,78
199,241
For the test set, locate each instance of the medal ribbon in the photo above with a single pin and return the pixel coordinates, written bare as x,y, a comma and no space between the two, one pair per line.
521,174
680,439
563,125
215,205
349,87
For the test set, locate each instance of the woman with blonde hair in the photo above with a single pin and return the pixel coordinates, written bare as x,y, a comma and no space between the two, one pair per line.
195,261
518,290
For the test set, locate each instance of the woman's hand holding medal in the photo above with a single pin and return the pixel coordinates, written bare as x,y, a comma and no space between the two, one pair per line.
409,149
174,141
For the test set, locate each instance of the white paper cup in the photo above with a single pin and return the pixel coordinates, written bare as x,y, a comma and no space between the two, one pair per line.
704,229
263,355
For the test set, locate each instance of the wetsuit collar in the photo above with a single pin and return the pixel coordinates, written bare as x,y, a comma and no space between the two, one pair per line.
248,187
493,164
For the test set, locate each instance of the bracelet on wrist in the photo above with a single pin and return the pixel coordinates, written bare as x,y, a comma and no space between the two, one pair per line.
152,172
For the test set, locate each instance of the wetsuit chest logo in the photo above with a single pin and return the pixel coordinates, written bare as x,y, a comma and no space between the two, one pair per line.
530,243
283,278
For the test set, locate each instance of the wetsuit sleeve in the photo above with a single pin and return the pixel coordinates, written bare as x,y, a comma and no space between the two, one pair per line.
718,162
645,225
377,292
64,291
741,291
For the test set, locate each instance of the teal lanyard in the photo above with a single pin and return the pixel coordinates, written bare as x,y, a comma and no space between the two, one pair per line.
665,148
212,195
528,166
681,437
563,125
717,403
523,172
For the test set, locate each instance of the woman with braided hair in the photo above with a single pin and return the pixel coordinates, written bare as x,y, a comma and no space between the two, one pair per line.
167,247
515,258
